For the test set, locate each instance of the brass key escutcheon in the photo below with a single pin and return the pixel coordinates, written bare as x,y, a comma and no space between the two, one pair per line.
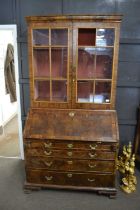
70,162
71,114
91,180
69,154
69,145
69,175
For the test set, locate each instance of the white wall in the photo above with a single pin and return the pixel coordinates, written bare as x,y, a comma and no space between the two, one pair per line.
7,109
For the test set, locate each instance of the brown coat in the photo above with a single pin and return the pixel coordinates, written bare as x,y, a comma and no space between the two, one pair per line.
9,72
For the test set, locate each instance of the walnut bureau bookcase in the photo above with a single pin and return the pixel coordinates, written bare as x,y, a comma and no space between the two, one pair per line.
71,132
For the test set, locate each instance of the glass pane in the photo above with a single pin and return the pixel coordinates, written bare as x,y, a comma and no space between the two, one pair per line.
86,36
85,91
40,37
86,65
42,90
41,62
105,37
59,62
104,61
59,90
102,92
59,37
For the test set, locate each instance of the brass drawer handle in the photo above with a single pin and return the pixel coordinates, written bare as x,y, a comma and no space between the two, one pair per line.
69,145
48,163
92,166
92,155
91,180
69,175
93,147
69,154
48,178
70,162
47,153
48,145
71,114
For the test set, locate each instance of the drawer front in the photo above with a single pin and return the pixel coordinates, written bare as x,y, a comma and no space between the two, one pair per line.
82,154
71,165
72,179
49,144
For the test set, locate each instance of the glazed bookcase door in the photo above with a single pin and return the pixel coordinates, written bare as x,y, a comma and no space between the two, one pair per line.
95,52
50,49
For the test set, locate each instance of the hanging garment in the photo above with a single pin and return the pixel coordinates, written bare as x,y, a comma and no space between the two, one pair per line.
9,72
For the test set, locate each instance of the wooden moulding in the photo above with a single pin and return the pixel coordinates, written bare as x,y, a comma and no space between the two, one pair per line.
111,18
111,192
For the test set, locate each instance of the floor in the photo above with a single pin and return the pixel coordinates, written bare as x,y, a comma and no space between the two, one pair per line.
12,196
9,145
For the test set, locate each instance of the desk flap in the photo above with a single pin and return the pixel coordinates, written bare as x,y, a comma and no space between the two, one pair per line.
72,125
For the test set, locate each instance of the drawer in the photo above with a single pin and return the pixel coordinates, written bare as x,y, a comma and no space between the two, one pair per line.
78,154
48,144
68,178
71,164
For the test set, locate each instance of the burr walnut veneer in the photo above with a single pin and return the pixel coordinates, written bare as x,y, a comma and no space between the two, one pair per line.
71,132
